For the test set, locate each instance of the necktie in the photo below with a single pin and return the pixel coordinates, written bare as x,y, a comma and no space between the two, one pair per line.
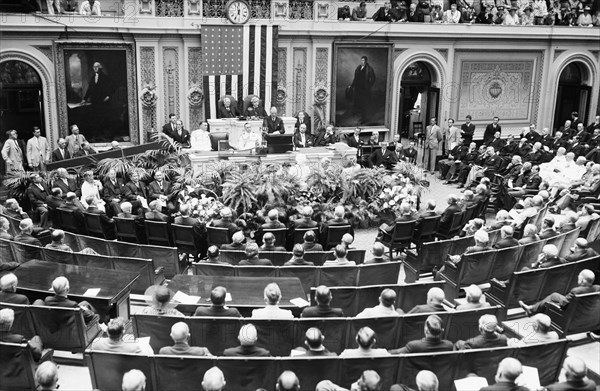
17,146
96,79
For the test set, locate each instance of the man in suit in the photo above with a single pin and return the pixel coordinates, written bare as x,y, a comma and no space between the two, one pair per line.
302,118
547,258
548,230
114,342
435,298
364,79
55,199
272,296
255,109
432,342
306,220
298,257
387,300
491,129
302,139
12,152
170,127
433,137
218,307
575,375
585,284
467,130
226,221
488,337
506,238
160,190
452,135
38,151
226,109
113,192
377,254
581,250
14,210
181,135
314,342
180,334
452,208
473,297
61,153
252,258
323,308
74,141
8,290
61,288
64,183
107,222
273,123
7,318
25,236
37,192
448,165
247,337
237,242
509,370
99,87
154,214
86,150
136,191
326,136
186,220
269,243
353,140
273,221
366,340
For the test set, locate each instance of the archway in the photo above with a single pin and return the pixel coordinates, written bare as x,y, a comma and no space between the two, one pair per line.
419,99
21,102
573,93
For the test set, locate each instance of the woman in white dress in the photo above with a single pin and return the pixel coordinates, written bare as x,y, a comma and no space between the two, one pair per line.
91,187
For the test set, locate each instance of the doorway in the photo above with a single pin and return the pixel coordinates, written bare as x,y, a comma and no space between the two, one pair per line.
419,99
573,94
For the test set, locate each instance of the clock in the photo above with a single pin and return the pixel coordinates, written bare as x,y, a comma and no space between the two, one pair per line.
238,11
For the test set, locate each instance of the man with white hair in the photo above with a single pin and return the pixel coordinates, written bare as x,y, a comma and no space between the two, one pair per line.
46,376
506,238
387,299
25,236
226,221
237,242
306,220
114,192
180,334
509,370
126,209
61,152
272,295
542,332
377,254
585,284
134,380
433,331
547,258
7,318
580,250
114,342
474,297
213,380
575,373
273,122
488,337
226,109
248,336
435,298
58,237
61,288
252,256
365,339
273,222
8,290
452,208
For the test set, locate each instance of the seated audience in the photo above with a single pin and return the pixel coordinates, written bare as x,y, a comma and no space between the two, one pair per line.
159,300
365,338
273,220
134,380
509,370
37,192
506,238
272,296
114,342
298,257
542,332
58,237
471,227
14,210
269,243
474,299
340,257
585,284
160,190
432,342
435,298
252,258
323,308
425,380
7,317
4,227
309,242
529,234
387,299
368,381
547,258
212,256
377,254
237,242
46,376
55,199
213,380
314,345
502,219
247,337
488,337
218,307
25,236
61,288
306,220
576,377
226,221
569,223
126,209
155,214
8,290
548,230
580,250
452,208
347,241
180,334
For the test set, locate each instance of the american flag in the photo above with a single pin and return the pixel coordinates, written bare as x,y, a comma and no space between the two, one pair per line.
238,61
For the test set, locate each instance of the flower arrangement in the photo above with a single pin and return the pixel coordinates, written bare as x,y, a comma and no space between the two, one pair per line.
204,208
396,193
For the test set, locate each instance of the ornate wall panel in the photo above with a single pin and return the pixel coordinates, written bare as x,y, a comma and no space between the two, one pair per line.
299,80
171,80
148,80
320,89
195,81
46,49
282,92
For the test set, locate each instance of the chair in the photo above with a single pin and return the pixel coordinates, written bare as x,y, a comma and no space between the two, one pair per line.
570,239
279,233
400,237
275,335
126,230
277,258
317,257
96,227
425,230
299,234
157,233
506,261
580,315
217,236
338,275
213,269
219,141
25,252
257,271
68,220
423,261
249,373
54,216
546,357
358,256
17,367
333,235
351,368
441,363
178,373
378,273
453,227
157,328
312,369
184,238
469,213
215,333
117,364
334,328
308,275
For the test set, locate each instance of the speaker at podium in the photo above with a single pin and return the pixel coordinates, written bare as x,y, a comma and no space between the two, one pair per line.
280,143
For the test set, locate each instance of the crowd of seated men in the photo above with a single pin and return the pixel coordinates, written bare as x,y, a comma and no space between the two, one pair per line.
525,13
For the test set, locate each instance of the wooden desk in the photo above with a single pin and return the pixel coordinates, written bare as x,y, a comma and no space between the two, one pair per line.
35,280
235,127
246,292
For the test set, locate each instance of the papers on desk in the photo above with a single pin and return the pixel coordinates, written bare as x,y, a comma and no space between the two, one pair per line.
300,302
92,292
228,297
184,298
529,378
470,383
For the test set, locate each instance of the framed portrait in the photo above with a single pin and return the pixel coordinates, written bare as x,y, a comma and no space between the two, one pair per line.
362,75
97,90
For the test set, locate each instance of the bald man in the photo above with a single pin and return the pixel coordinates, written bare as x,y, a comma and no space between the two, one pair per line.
248,336
323,308
387,299
368,381
134,380
180,334
435,298
575,374
213,380
218,307
509,370
287,381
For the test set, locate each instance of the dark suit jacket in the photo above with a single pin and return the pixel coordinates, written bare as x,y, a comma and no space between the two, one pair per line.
581,254
274,126
37,197
60,301
481,342
246,351
155,191
447,214
548,234
425,345
489,132
351,141
106,221
256,261
133,191
226,224
110,191
169,128
504,386
27,239
182,348
423,308
97,92
54,202
223,113
573,385
84,152
184,139
13,298
70,186
56,155
323,139
35,344
156,216
322,311
297,140
252,111
506,242
217,311
306,122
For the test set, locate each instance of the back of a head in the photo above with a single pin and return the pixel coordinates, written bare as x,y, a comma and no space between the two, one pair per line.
481,237
213,380
251,250
387,297
217,295
126,207
272,293
57,235
134,380
427,381
434,325
269,238
370,381
339,211
225,213
575,368
587,276
180,332
298,250
184,210
314,338
507,231
8,282
340,251
323,295
378,249
288,381
212,252
115,328
309,236
509,369
307,212
46,375
435,295
7,317
273,214
60,285
248,335
550,250
365,337
347,239
26,225
238,237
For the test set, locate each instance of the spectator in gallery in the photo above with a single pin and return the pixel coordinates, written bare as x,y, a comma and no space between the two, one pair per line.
227,109
114,342
200,138
269,243
90,7
527,19
67,7
272,295
252,256
387,299
248,336
344,13
218,297
180,334
585,19
509,370
134,380
58,236
323,308
452,15
511,19
4,227
359,13
432,342
540,11
489,336
310,244
298,257
366,339
384,14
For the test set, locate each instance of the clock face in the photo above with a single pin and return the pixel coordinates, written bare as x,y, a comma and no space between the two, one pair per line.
238,12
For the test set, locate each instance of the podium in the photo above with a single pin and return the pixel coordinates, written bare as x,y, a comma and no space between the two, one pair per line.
280,143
